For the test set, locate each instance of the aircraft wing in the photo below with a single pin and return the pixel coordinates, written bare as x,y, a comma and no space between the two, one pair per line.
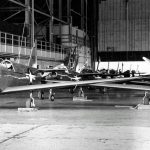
63,84
122,86
45,86
140,82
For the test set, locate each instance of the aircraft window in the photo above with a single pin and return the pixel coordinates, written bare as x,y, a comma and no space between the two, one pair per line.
7,64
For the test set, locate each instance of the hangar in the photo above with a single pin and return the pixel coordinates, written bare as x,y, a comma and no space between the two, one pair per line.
123,30
58,28
112,30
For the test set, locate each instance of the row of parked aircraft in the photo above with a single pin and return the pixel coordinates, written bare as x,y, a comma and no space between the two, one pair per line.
15,77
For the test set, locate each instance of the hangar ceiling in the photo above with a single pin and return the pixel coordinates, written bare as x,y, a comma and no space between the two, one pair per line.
83,14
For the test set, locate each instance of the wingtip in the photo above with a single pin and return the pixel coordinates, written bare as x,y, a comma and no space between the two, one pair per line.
144,58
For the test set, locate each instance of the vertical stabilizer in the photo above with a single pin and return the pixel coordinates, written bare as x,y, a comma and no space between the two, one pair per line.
33,58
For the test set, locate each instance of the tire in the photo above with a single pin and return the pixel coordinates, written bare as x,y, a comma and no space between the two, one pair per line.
52,98
40,95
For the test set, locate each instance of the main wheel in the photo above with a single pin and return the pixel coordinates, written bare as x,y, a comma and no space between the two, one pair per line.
41,95
52,98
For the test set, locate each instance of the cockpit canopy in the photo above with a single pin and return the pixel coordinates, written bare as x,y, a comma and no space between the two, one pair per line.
7,64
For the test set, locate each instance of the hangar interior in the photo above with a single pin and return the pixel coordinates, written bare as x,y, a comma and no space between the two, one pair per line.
59,29
124,30
112,30
109,30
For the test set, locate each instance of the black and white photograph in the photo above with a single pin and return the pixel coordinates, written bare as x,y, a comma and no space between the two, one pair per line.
74,74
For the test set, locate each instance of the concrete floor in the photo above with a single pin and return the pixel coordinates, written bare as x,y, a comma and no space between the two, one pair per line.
69,126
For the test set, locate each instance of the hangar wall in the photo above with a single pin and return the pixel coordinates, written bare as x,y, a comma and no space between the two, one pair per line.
124,30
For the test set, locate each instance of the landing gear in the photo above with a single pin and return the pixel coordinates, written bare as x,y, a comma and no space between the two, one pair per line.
51,95
52,98
41,94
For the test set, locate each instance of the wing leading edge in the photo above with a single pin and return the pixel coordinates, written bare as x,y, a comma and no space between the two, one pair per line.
103,82
122,86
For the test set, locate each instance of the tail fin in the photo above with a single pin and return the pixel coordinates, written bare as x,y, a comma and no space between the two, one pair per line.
33,58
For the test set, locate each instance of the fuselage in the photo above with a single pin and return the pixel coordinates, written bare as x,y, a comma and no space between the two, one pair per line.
62,75
13,74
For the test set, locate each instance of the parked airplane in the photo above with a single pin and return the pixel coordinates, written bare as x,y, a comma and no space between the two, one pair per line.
18,77
141,83
146,76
